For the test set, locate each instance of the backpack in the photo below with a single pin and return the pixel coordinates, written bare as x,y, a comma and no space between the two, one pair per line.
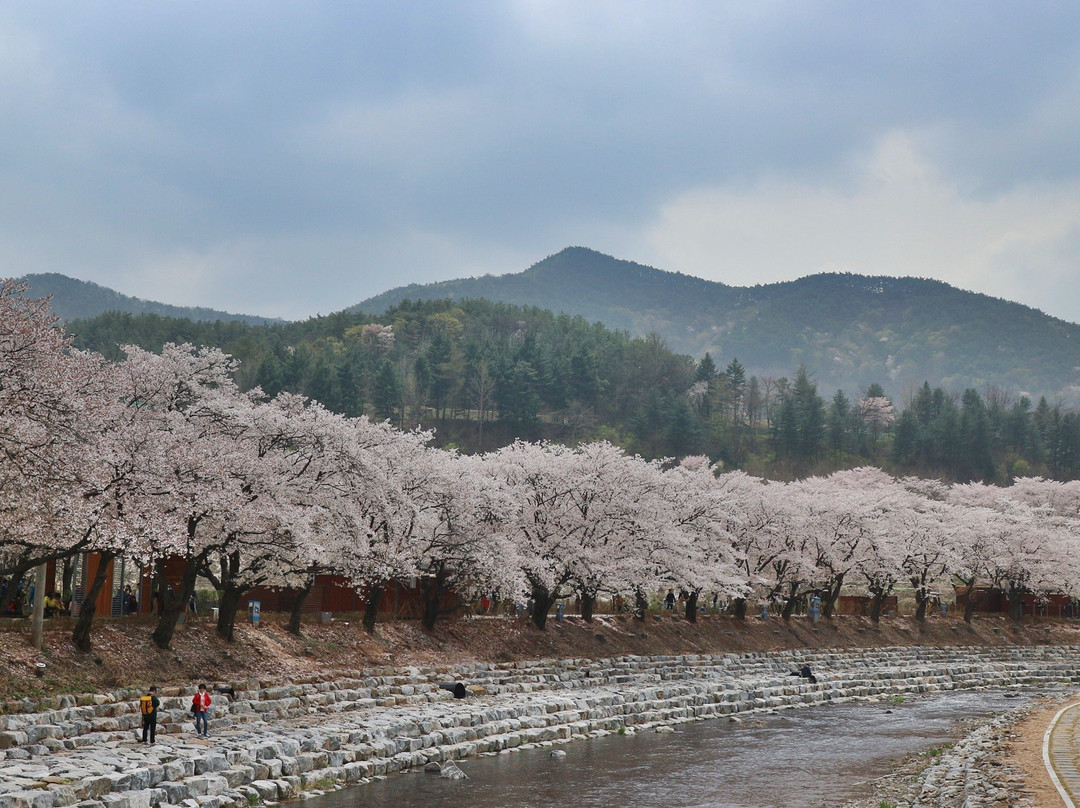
146,705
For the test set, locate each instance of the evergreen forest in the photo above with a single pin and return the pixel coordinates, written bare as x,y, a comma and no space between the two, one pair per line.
483,374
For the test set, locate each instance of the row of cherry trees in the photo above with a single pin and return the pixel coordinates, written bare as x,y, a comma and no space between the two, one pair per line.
162,456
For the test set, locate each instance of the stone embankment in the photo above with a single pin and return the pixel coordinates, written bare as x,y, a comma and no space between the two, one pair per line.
273,741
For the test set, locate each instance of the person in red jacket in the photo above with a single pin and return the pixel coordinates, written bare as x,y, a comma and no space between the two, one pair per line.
200,706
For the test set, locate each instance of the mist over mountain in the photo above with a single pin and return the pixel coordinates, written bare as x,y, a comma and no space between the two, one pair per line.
74,299
848,330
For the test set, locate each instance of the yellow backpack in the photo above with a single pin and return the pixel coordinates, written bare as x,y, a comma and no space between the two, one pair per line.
146,704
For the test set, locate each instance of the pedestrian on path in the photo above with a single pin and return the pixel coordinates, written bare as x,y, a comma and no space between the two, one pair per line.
148,706
200,705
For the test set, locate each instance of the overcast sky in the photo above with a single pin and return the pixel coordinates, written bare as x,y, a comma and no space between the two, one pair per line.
292,158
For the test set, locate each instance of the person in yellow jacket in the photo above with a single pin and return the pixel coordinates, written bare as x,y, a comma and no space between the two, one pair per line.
149,706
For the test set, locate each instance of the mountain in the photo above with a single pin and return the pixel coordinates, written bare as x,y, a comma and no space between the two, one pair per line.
74,299
848,330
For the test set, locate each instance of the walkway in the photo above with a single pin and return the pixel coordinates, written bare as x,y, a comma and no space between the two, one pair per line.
1061,752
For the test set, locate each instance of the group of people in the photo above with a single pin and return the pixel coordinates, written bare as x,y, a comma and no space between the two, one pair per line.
150,706
22,600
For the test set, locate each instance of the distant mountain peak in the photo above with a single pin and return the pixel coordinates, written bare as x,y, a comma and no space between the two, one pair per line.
851,329
73,299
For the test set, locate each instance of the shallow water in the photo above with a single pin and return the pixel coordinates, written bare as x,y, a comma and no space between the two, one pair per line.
817,756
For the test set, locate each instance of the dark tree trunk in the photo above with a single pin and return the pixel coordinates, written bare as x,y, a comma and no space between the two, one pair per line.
1016,603
738,609
789,603
172,607
832,594
641,604
371,608
921,602
80,635
973,603
66,577
588,602
227,608
430,592
691,607
298,605
543,600
160,586
877,604
432,587
922,597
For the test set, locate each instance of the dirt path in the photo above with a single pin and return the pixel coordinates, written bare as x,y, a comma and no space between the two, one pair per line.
1026,752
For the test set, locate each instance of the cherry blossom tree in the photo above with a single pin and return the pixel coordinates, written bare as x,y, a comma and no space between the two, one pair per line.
757,524
837,513
694,538
55,405
577,516
200,467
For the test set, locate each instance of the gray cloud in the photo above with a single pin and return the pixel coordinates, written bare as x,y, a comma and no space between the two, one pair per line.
213,154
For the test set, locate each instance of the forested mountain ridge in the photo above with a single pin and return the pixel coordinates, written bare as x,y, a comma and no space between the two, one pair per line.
850,330
74,299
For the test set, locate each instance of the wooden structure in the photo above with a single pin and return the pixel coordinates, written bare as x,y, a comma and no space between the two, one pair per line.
996,601
859,605
332,593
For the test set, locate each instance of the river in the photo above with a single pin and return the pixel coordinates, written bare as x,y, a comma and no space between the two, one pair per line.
817,756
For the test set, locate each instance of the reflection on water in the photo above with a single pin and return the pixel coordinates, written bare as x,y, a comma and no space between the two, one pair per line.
818,756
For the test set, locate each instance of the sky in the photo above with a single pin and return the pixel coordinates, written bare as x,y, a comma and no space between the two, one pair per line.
288,159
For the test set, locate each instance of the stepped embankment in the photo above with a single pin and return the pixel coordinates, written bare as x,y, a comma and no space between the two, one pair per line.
279,738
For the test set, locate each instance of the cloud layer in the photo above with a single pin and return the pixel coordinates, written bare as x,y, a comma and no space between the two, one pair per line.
291,158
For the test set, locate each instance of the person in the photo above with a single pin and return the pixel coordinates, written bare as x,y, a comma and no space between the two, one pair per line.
200,705
149,706
53,604
669,601
131,603
805,673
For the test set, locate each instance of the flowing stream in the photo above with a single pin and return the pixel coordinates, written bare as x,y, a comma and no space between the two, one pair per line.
817,756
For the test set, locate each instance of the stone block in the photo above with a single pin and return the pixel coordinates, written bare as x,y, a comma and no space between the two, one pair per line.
213,762
35,798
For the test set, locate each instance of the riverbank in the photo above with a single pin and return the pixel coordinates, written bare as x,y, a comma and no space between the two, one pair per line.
337,706
275,740
124,655
993,762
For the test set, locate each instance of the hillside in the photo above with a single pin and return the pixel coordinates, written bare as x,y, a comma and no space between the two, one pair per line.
848,330
124,655
74,299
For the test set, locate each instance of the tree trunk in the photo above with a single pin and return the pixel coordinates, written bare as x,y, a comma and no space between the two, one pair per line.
431,590
877,604
588,601
641,604
80,635
972,603
298,604
1016,603
738,609
66,577
922,597
172,607
691,607
543,600
789,603
227,609
371,608
832,595
921,602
